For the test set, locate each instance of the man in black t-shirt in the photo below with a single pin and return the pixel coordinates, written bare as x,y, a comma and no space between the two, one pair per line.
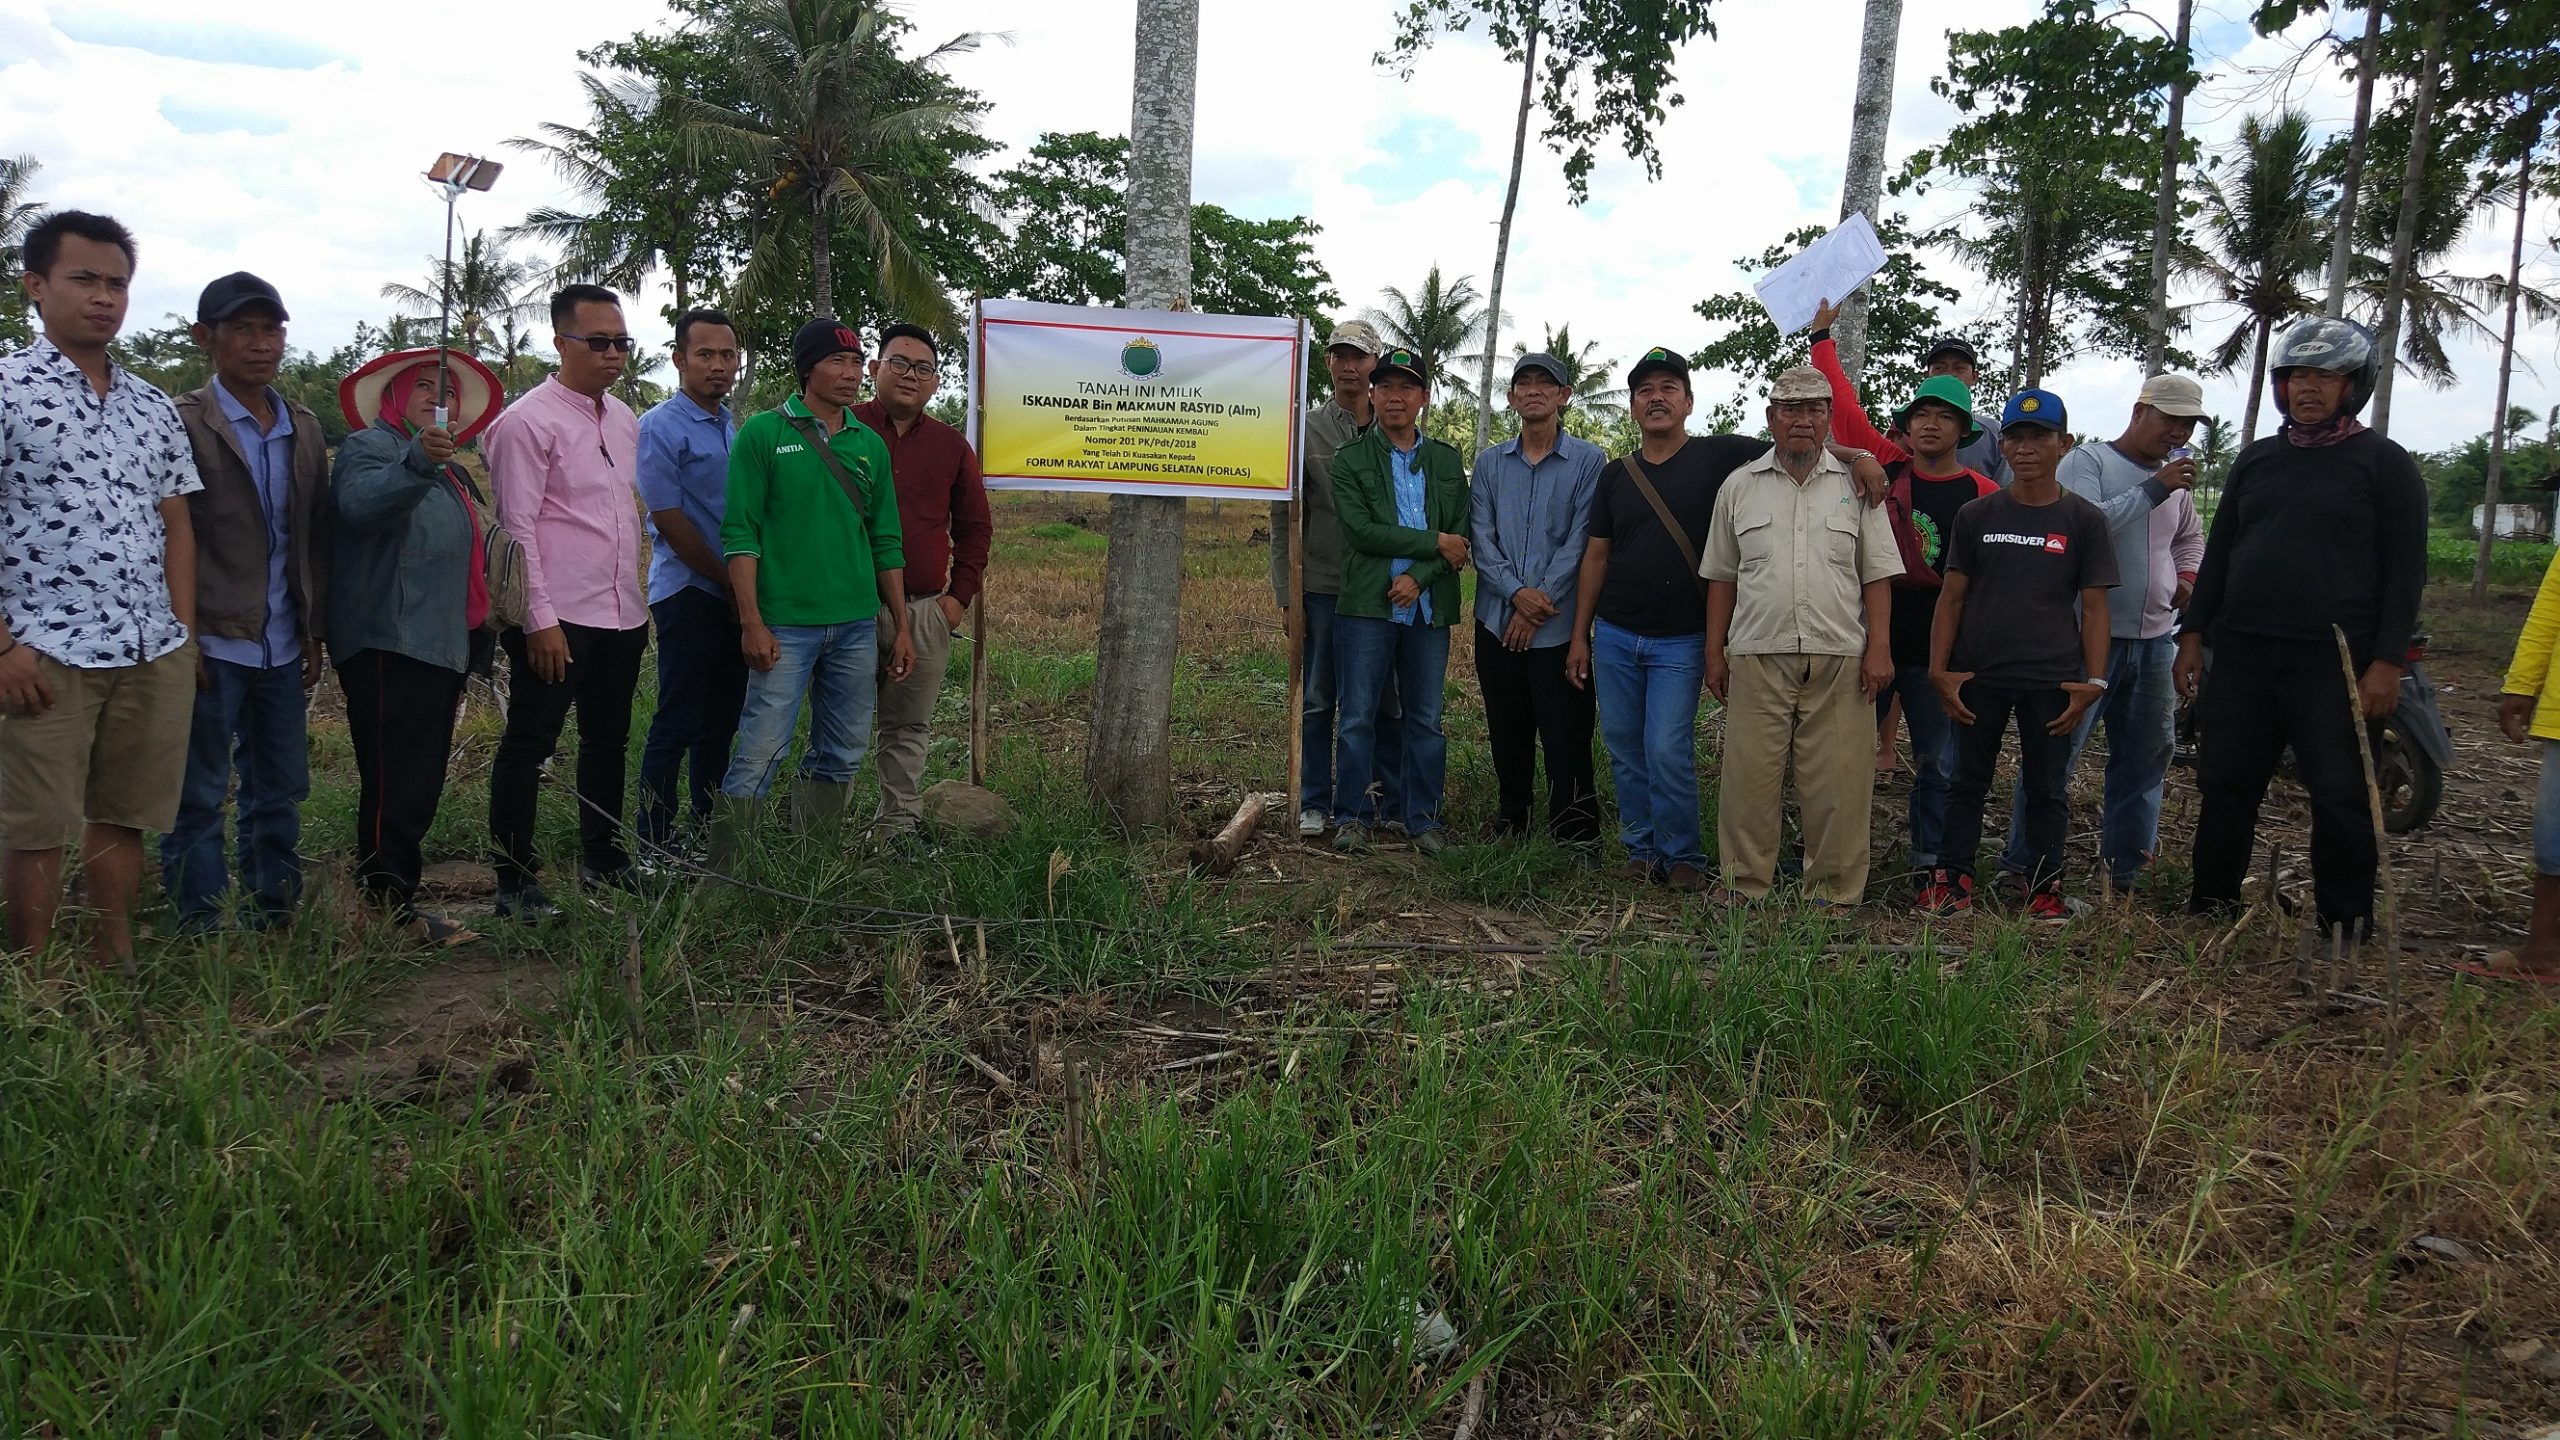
1640,632
2008,640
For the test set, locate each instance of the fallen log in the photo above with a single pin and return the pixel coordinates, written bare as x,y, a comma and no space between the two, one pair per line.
1218,854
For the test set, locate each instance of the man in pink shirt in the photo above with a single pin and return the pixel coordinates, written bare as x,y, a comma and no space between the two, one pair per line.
561,461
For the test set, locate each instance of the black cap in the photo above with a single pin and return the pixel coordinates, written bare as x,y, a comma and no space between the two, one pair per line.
819,339
1401,361
1658,360
234,292
1544,364
1948,345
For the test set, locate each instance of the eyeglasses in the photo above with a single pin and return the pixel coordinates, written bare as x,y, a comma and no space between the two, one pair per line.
602,343
901,365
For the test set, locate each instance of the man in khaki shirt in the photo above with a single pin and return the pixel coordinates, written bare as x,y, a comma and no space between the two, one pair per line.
1799,606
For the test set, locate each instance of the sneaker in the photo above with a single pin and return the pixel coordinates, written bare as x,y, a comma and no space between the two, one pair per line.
526,903
1431,844
1351,838
2010,889
2046,906
1945,894
625,879
1310,821
1686,878
428,928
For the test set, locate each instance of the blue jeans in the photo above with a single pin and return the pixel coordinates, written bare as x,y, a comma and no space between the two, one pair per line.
836,668
1316,722
702,687
2546,813
1370,655
2140,711
1648,690
1933,762
249,721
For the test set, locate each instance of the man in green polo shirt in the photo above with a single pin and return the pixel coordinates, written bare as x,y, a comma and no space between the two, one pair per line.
811,536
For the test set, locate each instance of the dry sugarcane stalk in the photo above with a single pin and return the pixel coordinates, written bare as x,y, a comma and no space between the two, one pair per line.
1219,853
2387,914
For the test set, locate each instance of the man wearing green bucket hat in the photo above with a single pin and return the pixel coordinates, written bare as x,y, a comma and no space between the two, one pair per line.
1930,484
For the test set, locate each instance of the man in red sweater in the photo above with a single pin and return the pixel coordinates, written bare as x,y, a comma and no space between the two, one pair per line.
1930,484
942,505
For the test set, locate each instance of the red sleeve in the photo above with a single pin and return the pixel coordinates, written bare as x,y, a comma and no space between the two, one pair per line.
972,528
1849,424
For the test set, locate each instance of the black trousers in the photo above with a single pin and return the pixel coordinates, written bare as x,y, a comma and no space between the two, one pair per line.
400,718
2261,697
604,670
1529,705
2044,775
702,685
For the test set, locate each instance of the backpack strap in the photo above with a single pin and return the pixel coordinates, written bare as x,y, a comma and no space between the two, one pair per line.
1662,512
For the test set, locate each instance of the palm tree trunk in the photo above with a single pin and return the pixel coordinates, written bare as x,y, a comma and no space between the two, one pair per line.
2404,235
2342,245
1862,190
2155,343
2506,372
1128,763
822,271
2257,382
1502,235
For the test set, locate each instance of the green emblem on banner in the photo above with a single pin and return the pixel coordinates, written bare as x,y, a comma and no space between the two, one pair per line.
1140,359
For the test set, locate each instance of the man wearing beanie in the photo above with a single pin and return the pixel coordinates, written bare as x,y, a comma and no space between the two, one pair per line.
815,561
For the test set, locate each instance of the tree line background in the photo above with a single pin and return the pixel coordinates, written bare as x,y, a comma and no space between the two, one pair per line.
775,157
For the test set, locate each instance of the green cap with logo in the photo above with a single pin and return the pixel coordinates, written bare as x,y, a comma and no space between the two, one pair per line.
1401,361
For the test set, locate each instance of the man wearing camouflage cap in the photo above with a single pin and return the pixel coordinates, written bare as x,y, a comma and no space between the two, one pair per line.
1799,606
1329,425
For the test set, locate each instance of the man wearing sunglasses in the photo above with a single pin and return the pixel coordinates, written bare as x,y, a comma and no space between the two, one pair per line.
942,512
562,461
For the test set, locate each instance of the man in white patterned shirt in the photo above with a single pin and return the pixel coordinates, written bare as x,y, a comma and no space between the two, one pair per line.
97,593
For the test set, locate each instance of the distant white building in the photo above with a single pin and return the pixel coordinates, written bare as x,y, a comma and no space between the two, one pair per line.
2529,521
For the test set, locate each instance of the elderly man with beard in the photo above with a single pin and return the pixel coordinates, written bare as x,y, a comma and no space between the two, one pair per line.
1799,617
2322,524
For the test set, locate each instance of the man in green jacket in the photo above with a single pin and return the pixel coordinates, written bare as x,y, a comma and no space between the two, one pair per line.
815,561
1402,500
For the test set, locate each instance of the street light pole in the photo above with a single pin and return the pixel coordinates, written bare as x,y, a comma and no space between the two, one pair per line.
452,175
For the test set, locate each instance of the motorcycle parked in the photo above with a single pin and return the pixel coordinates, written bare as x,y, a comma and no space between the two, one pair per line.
2412,754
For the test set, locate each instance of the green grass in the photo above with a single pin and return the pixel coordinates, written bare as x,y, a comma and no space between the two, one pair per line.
2453,558
1763,1173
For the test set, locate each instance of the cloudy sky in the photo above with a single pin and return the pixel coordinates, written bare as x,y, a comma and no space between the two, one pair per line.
288,141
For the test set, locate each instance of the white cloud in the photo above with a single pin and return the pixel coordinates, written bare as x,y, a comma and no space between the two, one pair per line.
1293,118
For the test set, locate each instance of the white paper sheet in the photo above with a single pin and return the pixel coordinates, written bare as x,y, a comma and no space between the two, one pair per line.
1827,269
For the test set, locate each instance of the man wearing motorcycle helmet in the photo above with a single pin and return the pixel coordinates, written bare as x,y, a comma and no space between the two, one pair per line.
2322,523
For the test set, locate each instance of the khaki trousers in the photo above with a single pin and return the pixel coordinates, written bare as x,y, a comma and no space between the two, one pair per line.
1801,713
906,715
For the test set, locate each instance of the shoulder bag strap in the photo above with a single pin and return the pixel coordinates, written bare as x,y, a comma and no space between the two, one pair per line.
1662,512
811,431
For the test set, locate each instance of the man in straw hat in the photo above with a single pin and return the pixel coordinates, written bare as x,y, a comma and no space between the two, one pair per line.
262,565
1799,620
97,593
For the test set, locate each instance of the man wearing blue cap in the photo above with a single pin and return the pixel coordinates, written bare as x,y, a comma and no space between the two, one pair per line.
261,524
2021,630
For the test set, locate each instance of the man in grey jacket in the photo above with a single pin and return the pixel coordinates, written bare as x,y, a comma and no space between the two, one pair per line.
1330,424
2141,481
261,524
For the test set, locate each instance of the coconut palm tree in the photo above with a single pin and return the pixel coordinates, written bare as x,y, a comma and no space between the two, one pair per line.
1595,387
830,117
18,212
616,243
1437,323
2266,228
497,298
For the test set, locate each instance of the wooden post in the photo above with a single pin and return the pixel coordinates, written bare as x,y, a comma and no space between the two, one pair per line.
978,690
1296,615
